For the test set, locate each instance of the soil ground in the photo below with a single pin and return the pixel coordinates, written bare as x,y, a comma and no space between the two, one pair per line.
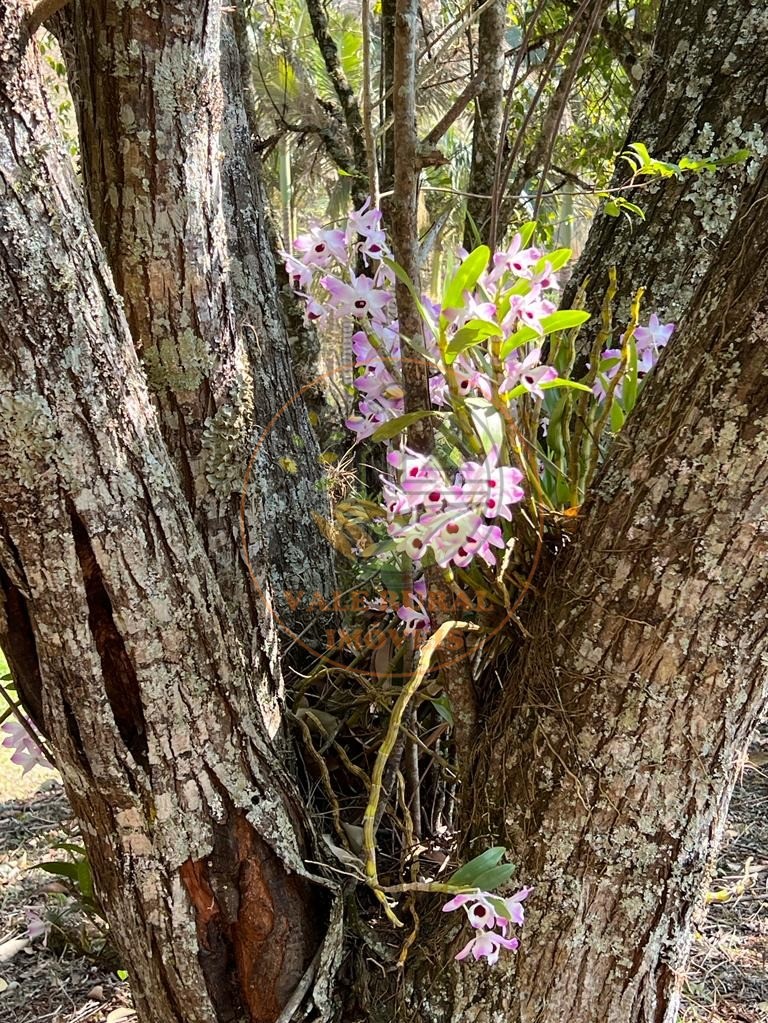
65,978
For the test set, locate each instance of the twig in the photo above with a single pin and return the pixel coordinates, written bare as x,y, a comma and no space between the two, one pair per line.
456,109
300,990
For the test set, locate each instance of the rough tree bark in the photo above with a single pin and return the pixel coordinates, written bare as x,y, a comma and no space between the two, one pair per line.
613,754
613,745
173,182
703,95
486,127
110,603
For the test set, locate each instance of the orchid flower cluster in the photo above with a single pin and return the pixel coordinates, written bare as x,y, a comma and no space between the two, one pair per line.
492,917
27,753
649,342
490,390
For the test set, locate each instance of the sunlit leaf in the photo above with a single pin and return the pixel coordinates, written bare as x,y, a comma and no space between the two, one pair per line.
472,333
466,875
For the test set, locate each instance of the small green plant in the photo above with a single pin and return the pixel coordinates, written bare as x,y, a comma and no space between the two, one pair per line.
643,165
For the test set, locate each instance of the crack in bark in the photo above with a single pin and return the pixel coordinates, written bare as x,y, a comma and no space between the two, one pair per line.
120,681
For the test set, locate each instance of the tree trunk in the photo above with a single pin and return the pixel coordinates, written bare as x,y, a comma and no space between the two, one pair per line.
486,127
350,109
703,96
173,182
195,835
124,605
612,756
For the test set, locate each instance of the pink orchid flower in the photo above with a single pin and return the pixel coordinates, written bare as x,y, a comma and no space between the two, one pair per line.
26,752
487,945
299,273
491,488
360,298
319,247
416,618
528,373
365,221
655,335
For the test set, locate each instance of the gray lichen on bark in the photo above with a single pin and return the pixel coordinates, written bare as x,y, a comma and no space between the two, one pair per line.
703,96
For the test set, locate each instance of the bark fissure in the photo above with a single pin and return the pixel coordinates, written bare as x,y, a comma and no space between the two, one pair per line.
17,639
119,673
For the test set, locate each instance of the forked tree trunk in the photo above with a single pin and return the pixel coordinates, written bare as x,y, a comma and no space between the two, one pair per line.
613,754
703,95
195,835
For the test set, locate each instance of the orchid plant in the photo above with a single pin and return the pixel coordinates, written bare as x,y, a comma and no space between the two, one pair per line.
516,438
504,444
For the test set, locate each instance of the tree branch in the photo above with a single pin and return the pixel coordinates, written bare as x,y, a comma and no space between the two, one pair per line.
42,12
347,99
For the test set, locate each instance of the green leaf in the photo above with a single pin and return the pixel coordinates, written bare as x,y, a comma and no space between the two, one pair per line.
443,707
489,422
495,877
62,868
556,260
466,876
563,382
77,850
629,383
122,974
617,417
466,277
392,427
516,392
392,578
738,157
499,907
555,441
472,333
564,320
526,233
521,335
84,879
642,151
697,165
631,207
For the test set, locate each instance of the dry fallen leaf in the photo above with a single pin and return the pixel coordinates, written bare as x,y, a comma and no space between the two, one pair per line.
96,994
121,1014
3,984
8,949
